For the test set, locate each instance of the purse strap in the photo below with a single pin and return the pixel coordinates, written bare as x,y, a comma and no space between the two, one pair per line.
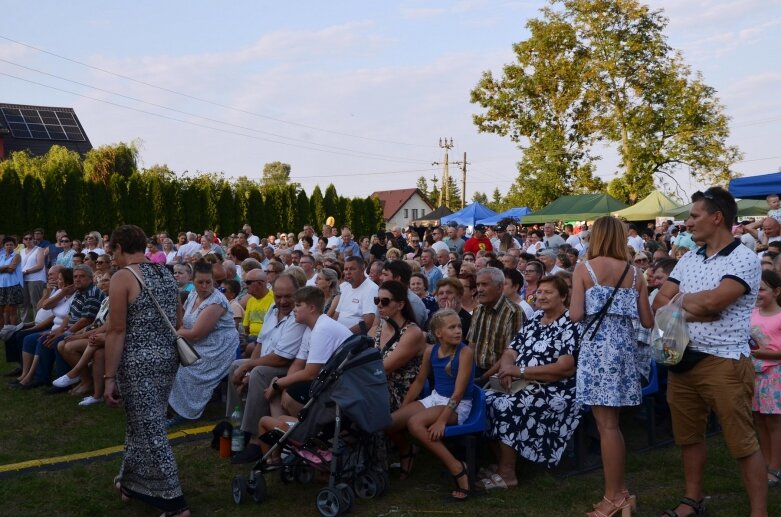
603,311
152,296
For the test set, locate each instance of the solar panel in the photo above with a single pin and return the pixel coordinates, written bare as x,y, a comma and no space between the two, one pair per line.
43,124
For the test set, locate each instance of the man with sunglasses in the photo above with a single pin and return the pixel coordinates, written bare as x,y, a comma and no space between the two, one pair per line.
719,282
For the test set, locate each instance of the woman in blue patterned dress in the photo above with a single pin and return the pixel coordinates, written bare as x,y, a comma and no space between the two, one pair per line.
141,362
538,421
207,324
607,376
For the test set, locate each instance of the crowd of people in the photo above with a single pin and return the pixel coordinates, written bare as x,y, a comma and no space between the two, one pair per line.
565,311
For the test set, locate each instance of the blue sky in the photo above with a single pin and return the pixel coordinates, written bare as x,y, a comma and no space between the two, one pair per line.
354,93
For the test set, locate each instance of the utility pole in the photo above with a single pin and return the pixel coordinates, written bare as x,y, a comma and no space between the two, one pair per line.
444,190
463,179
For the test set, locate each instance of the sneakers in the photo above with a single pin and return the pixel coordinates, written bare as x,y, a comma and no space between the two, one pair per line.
90,400
65,381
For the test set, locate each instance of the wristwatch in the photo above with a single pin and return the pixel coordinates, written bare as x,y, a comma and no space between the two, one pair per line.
522,372
275,386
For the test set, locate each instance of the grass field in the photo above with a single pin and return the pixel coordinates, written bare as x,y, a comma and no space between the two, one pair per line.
33,426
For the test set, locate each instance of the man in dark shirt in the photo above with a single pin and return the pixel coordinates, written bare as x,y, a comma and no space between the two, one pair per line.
378,250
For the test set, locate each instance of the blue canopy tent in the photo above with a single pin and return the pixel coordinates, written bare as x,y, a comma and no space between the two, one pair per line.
469,215
756,187
513,213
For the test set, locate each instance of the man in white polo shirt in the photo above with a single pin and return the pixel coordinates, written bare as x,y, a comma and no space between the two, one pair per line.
356,307
720,281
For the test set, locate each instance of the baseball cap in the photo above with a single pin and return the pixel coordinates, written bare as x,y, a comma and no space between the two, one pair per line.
480,228
453,224
546,253
500,227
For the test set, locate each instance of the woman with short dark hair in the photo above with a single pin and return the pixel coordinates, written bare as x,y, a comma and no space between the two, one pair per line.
11,295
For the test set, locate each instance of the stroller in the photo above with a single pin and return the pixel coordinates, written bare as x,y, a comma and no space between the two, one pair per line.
349,407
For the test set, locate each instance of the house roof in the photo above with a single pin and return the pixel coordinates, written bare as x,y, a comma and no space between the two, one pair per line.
393,200
38,128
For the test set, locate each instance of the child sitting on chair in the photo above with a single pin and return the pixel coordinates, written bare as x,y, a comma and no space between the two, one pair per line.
449,403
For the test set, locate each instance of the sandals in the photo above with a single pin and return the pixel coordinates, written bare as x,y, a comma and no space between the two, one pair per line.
697,506
458,489
494,482
413,451
625,505
774,482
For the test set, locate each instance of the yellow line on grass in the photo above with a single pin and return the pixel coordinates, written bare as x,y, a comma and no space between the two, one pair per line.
31,464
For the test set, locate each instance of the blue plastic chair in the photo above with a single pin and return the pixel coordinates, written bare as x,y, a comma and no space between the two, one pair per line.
470,431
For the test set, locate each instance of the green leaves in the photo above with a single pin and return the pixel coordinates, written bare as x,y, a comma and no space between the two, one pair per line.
601,72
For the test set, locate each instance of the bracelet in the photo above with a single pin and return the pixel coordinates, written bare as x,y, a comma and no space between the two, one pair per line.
108,377
452,404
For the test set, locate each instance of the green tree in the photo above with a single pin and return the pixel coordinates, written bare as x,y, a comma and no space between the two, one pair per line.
331,204
11,209
226,211
434,192
301,212
256,213
33,201
480,197
316,208
601,71
275,174
101,162
422,185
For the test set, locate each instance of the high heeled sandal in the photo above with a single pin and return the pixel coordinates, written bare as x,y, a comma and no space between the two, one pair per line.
697,506
404,473
123,495
624,505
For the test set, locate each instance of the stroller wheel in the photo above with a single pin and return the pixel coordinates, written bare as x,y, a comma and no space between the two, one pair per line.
347,495
287,474
328,502
384,481
239,489
367,485
259,491
305,474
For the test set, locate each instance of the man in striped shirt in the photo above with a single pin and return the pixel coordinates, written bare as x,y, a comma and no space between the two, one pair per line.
494,323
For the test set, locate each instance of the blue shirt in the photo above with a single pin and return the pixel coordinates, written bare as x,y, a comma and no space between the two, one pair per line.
445,383
352,245
434,276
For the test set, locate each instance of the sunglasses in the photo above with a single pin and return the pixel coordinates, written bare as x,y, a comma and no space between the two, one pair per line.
382,302
250,282
102,262
641,260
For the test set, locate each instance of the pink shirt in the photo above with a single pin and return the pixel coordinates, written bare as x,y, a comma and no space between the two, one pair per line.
157,257
766,333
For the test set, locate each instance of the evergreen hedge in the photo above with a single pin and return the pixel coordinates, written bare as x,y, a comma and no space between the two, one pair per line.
62,190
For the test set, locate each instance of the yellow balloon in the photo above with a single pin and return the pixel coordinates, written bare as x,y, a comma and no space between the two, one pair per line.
330,221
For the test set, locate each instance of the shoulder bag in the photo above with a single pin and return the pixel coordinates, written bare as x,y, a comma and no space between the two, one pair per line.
598,317
187,354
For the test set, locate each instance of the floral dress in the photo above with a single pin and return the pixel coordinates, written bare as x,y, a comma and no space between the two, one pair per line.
539,420
607,363
399,380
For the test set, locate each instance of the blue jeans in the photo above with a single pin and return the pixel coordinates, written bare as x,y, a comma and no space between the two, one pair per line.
47,357
13,347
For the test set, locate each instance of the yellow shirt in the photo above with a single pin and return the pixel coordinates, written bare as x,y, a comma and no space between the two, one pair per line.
255,312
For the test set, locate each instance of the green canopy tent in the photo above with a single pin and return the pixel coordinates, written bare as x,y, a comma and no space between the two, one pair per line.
585,207
650,207
746,208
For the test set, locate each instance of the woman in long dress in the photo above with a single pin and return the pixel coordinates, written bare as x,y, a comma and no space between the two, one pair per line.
141,363
607,373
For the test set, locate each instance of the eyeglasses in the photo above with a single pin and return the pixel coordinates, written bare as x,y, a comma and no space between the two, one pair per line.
468,259
102,262
641,260
27,238
250,282
382,302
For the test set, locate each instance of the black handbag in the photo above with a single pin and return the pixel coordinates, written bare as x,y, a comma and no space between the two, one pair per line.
600,316
187,353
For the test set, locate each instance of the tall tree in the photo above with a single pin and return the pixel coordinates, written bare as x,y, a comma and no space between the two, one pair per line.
301,213
331,204
316,208
601,71
422,185
255,212
100,163
11,209
275,174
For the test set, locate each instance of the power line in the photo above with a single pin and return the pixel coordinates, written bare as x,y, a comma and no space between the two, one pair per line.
207,101
361,174
218,121
160,115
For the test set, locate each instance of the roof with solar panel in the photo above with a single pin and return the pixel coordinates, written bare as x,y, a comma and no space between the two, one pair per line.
38,128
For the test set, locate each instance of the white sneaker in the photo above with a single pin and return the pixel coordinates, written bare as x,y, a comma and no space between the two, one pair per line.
88,401
65,381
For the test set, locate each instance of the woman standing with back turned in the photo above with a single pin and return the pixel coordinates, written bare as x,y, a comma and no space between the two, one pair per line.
141,360
607,376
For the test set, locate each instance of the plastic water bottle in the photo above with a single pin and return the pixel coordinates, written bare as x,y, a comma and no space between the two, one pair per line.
237,437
